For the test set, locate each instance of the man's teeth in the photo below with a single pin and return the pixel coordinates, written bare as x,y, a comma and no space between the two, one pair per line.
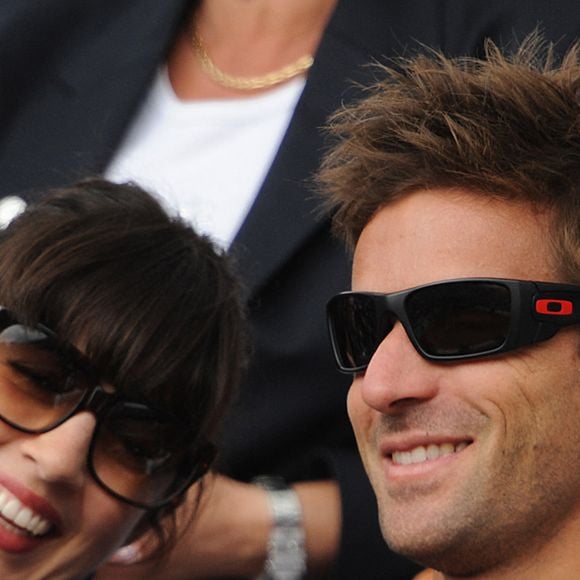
422,453
13,512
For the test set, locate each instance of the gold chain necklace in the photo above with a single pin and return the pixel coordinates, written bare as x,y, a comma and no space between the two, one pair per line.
246,83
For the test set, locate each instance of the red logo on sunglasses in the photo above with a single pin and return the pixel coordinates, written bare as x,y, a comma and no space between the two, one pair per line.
554,307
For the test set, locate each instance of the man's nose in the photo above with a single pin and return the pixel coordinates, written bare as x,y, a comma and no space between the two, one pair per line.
398,375
60,455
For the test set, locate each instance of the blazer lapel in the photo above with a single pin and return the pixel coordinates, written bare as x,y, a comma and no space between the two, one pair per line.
286,212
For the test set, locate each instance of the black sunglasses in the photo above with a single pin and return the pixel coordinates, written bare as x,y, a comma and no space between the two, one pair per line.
138,454
451,320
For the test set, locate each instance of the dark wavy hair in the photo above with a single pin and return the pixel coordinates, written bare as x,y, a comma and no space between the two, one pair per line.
506,126
153,305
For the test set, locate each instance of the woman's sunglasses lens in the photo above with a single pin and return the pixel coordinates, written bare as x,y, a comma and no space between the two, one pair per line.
460,318
40,384
139,457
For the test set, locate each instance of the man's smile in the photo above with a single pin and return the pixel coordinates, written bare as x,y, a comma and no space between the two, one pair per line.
423,453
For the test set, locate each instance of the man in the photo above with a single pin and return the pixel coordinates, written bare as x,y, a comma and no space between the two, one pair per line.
466,394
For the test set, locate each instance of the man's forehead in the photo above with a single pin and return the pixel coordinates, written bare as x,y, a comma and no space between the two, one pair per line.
437,234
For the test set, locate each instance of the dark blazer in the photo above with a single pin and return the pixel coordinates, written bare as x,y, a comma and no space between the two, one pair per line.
72,74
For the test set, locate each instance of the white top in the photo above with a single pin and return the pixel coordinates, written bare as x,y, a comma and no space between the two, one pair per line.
206,158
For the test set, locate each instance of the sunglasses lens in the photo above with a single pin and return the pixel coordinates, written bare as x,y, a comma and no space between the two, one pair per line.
40,383
358,323
460,318
140,457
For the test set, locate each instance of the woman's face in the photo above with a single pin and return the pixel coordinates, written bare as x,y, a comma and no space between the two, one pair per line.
55,521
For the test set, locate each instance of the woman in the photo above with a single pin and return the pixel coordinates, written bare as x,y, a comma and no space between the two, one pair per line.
120,342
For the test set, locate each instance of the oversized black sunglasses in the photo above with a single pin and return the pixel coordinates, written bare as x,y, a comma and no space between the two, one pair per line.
138,454
451,320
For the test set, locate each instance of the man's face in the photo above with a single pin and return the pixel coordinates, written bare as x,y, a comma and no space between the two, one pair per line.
474,464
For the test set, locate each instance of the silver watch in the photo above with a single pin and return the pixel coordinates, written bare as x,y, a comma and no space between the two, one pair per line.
286,558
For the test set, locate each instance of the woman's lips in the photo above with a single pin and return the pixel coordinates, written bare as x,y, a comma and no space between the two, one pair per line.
26,519
13,511
27,510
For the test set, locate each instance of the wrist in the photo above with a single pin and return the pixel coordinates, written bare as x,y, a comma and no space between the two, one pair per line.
237,546
256,524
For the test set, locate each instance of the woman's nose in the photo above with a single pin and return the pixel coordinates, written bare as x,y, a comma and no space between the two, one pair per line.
60,455
398,375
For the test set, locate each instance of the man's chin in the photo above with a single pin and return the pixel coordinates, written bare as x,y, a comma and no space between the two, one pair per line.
446,552
418,539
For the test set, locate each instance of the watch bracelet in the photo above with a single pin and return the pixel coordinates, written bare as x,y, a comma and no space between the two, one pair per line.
286,558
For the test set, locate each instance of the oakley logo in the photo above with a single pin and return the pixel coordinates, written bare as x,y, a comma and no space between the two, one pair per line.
554,307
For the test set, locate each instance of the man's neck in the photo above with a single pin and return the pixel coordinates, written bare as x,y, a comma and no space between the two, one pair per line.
557,559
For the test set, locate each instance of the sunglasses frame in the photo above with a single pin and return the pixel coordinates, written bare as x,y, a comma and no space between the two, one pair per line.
552,306
99,402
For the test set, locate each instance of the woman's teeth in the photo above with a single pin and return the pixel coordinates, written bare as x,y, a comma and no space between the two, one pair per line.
19,517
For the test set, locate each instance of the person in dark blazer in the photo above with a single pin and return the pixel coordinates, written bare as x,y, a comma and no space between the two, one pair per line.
72,78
